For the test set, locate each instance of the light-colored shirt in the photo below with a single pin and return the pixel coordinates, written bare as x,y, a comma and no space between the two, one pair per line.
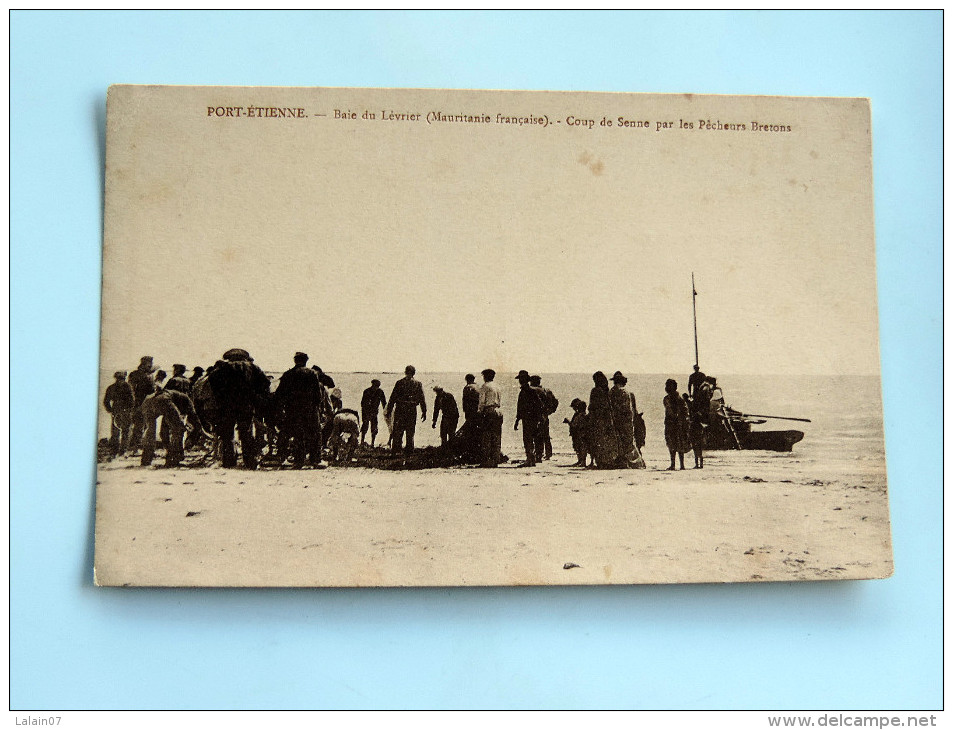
489,396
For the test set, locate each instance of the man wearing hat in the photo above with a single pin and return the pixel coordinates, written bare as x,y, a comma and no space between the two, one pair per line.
530,409
241,390
298,400
178,381
622,406
372,400
491,420
444,401
120,402
197,372
404,399
143,383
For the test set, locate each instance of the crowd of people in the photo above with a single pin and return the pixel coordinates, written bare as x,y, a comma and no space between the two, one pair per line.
303,419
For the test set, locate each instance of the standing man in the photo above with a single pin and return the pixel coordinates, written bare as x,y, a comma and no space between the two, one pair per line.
622,405
120,402
241,389
530,409
143,383
544,442
404,399
178,381
491,420
471,398
444,401
197,372
372,400
297,405
694,381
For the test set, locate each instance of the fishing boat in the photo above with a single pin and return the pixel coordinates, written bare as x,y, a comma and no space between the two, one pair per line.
729,429
735,432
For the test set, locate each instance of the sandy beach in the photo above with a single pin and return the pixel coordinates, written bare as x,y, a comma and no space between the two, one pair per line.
748,516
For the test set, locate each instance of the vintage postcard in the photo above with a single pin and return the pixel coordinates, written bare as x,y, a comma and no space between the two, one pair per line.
392,337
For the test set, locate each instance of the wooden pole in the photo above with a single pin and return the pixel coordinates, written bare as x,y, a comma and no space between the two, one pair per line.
695,318
780,418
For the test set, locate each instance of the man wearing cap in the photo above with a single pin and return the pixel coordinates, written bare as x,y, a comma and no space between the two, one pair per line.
471,398
174,407
197,372
491,420
120,402
404,399
178,381
240,389
622,406
444,401
372,399
143,383
530,409
298,401
544,442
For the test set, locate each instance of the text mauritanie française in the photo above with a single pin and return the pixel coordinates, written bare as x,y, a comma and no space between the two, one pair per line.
516,119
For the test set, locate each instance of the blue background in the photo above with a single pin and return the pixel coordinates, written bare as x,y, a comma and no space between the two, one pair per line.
864,645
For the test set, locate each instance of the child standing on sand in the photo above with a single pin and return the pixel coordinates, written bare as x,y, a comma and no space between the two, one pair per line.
696,433
578,430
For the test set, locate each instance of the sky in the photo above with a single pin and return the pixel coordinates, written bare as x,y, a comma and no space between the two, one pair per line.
557,246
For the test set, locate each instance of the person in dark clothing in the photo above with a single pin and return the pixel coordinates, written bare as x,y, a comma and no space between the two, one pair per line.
544,442
471,398
404,399
445,402
603,444
530,409
622,403
699,414
326,380
297,406
178,381
120,402
197,372
696,433
174,407
694,382
701,401
205,406
677,423
143,383
372,400
579,430
240,388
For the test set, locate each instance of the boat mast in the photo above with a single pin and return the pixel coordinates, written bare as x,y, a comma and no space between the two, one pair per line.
695,317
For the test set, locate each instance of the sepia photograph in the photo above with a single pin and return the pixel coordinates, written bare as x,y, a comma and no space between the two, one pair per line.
396,337
476,360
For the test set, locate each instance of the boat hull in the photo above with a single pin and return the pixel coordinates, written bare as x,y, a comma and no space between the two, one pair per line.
716,440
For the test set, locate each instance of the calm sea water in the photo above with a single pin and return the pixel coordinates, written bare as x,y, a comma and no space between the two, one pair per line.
846,412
